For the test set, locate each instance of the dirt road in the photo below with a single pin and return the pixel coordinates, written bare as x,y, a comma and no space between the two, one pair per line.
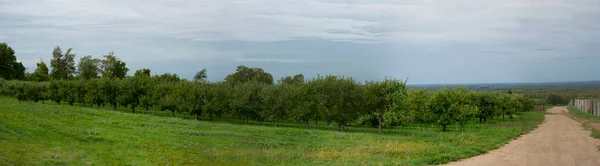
559,140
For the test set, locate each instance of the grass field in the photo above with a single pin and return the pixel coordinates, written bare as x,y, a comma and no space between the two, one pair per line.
49,134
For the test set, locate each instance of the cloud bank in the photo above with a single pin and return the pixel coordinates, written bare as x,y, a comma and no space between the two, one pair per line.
453,41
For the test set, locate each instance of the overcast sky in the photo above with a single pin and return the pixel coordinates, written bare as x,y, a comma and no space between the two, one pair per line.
428,41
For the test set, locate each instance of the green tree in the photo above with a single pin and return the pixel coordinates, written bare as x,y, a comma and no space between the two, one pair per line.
200,76
58,91
63,65
487,103
9,67
168,77
166,95
451,106
88,67
142,72
245,100
193,98
110,91
384,99
41,72
417,104
94,93
113,67
295,80
217,99
245,74
343,99
307,102
277,100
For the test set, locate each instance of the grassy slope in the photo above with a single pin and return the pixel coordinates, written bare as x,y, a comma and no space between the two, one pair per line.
46,134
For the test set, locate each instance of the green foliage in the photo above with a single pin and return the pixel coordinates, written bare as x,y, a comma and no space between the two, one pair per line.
335,99
245,100
289,80
9,67
451,106
63,65
110,90
142,72
342,98
384,101
487,103
216,101
168,77
277,100
41,72
88,67
112,67
245,74
200,76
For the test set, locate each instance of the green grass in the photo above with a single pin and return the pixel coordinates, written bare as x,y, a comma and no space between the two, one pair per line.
49,134
590,122
580,114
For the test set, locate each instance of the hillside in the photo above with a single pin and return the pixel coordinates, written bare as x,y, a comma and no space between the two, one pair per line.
47,134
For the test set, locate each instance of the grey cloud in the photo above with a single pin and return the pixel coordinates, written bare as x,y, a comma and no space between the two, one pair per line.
429,41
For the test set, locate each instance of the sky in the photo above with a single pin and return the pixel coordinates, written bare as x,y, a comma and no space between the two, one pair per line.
426,41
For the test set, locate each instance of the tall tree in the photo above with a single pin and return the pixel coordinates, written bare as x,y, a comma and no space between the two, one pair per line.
63,65
41,72
245,74
9,67
113,67
88,67
142,72
200,76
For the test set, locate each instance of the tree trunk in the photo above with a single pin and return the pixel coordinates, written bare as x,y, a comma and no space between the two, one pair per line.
306,123
276,121
133,110
380,124
342,127
172,113
502,117
154,111
317,120
444,128
115,107
146,108
246,122
196,116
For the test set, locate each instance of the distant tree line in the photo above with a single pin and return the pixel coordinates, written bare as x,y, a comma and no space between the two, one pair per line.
250,93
